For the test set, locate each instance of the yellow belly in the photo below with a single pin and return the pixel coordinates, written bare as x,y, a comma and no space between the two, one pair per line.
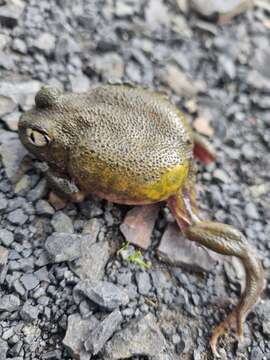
116,187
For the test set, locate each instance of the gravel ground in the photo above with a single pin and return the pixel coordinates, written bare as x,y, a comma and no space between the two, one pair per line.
66,290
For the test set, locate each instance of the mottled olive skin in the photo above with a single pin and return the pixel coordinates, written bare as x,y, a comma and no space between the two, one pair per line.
126,143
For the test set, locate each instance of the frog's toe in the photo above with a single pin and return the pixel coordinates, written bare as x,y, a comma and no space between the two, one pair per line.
232,323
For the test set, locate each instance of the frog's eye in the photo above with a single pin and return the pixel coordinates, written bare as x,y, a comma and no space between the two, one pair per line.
38,138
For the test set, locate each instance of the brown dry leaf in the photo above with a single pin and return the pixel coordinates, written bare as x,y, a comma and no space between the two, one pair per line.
202,125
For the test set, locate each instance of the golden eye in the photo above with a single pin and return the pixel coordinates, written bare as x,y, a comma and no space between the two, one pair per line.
38,138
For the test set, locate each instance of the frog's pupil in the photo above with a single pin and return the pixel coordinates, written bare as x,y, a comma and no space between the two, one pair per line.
32,137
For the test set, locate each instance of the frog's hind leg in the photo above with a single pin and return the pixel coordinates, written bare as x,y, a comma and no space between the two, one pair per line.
226,240
203,149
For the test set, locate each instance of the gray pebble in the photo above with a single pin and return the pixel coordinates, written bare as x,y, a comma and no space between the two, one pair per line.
143,282
29,281
9,303
17,217
102,293
62,223
44,208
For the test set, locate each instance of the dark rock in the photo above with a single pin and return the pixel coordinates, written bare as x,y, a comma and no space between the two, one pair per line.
131,341
102,332
77,332
102,293
9,303
177,250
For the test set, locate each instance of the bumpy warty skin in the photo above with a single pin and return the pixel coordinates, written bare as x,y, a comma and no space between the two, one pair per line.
113,139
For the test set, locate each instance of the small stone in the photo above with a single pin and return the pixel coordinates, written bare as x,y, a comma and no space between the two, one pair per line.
179,82
3,257
46,43
139,223
3,205
11,120
11,12
12,153
62,223
103,293
17,217
44,208
248,152
38,192
92,227
123,9
6,237
56,201
143,282
252,212
21,91
77,332
29,312
79,83
7,105
64,247
110,66
23,185
221,176
20,46
29,281
131,341
225,10
94,257
266,328
9,303
3,349
102,332
4,40
177,250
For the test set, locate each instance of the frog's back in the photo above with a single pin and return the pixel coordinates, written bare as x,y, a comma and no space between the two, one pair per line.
135,140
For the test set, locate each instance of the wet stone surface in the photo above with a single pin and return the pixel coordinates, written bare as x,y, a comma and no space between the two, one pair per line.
70,285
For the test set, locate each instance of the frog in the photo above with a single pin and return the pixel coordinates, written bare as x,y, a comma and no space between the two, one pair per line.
131,145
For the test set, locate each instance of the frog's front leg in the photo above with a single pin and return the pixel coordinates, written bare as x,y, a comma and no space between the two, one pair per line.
64,186
226,240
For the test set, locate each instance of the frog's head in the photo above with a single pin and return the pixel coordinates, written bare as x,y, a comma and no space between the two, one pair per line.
42,129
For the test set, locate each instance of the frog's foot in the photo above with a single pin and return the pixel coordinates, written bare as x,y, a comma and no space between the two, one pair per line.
64,187
226,240
203,149
231,324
